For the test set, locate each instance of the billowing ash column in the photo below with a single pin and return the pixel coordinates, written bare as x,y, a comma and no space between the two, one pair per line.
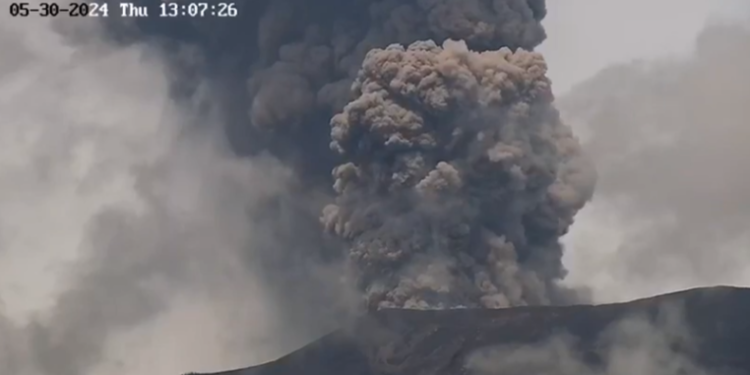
459,181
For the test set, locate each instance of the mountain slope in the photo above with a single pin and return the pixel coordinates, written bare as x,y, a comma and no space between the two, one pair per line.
696,331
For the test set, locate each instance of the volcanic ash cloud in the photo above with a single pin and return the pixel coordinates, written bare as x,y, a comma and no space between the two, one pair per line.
459,178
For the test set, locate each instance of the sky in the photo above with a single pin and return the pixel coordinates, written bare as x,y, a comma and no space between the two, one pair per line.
60,118
585,36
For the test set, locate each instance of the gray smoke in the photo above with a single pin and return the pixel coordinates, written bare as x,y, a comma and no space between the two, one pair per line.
316,68
130,239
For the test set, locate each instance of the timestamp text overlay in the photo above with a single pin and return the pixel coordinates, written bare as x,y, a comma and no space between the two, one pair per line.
123,9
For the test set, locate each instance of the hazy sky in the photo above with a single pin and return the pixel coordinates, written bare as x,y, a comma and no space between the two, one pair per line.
584,36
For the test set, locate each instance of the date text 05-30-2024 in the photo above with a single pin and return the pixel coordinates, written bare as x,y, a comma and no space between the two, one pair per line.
124,9
73,9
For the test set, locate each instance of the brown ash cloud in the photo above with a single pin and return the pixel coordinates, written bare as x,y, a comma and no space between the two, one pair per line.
460,178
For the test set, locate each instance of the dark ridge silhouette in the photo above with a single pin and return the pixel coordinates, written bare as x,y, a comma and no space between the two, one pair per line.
410,342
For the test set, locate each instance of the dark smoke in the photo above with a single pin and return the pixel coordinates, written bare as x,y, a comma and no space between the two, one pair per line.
454,177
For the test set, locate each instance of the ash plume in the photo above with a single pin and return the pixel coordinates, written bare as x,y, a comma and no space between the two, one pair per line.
453,178
460,180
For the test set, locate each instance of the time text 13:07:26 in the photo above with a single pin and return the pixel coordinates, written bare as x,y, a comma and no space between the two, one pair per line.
191,9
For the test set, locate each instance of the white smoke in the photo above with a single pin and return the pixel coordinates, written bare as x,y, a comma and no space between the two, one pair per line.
122,227
669,139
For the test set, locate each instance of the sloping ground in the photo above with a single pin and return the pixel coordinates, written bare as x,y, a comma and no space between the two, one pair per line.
708,328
